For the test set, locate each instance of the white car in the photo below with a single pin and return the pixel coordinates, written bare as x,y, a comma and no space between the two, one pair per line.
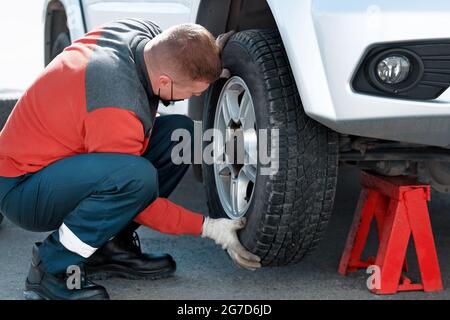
355,82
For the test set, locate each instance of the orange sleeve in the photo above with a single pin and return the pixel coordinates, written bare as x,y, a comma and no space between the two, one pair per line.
114,130
167,217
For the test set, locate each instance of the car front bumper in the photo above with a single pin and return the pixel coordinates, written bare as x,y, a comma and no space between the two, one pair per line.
326,41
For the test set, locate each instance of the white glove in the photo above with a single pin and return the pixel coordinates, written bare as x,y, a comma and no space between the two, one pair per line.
221,41
224,233
223,38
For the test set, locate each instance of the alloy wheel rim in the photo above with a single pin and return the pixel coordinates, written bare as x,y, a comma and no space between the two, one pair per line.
235,154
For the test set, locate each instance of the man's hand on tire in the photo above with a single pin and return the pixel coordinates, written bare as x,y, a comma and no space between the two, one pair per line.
221,41
224,233
223,38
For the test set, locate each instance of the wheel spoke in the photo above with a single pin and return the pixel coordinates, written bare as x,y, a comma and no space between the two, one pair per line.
222,160
232,104
222,167
250,119
226,113
244,107
221,121
251,147
250,172
234,196
247,113
219,150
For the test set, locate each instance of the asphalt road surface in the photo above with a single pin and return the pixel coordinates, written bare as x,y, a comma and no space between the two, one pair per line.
205,271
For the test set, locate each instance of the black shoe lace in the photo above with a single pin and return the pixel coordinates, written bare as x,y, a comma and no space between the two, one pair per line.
136,241
129,241
132,243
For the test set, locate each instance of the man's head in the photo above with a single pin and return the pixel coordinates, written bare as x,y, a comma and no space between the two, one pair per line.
182,61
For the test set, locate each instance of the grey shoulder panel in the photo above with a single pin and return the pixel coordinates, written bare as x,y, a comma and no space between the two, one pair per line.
112,78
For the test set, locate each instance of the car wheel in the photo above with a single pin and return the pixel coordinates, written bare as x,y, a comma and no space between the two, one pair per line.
62,41
288,210
7,102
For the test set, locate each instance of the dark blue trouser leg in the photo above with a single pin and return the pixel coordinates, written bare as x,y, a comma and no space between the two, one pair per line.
91,197
159,154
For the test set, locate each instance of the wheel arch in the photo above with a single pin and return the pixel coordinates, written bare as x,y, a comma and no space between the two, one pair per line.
220,16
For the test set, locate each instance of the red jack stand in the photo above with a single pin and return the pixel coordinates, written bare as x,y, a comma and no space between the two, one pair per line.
399,205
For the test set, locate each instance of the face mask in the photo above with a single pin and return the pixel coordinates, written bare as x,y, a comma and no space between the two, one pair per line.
167,103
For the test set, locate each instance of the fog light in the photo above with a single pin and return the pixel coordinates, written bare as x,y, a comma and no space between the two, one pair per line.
393,69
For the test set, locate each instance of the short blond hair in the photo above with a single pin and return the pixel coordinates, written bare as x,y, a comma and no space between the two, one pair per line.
190,50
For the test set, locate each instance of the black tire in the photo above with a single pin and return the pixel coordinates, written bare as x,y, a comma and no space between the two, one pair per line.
290,210
61,42
7,103
6,106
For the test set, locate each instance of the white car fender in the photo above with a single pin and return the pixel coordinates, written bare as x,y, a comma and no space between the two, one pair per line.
304,55
325,41
74,17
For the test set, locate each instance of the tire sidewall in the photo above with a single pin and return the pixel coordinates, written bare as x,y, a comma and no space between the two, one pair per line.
62,41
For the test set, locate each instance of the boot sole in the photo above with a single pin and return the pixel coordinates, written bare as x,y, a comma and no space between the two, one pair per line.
32,295
34,292
112,271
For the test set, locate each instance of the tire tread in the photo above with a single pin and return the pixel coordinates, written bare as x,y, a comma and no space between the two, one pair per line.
300,196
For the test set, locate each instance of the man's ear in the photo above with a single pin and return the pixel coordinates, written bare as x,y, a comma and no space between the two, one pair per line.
164,80
222,39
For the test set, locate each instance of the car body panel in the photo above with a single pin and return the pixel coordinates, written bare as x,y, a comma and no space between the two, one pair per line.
164,13
325,41
74,14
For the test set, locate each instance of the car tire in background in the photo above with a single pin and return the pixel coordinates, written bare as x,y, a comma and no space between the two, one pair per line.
286,212
61,42
7,102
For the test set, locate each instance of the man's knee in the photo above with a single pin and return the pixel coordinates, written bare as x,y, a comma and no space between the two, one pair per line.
183,138
139,177
182,122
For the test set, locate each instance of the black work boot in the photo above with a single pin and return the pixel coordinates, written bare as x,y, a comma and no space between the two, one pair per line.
41,285
122,257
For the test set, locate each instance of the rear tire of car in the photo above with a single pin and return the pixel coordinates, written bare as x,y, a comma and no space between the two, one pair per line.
6,106
289,210
7,102
61,42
